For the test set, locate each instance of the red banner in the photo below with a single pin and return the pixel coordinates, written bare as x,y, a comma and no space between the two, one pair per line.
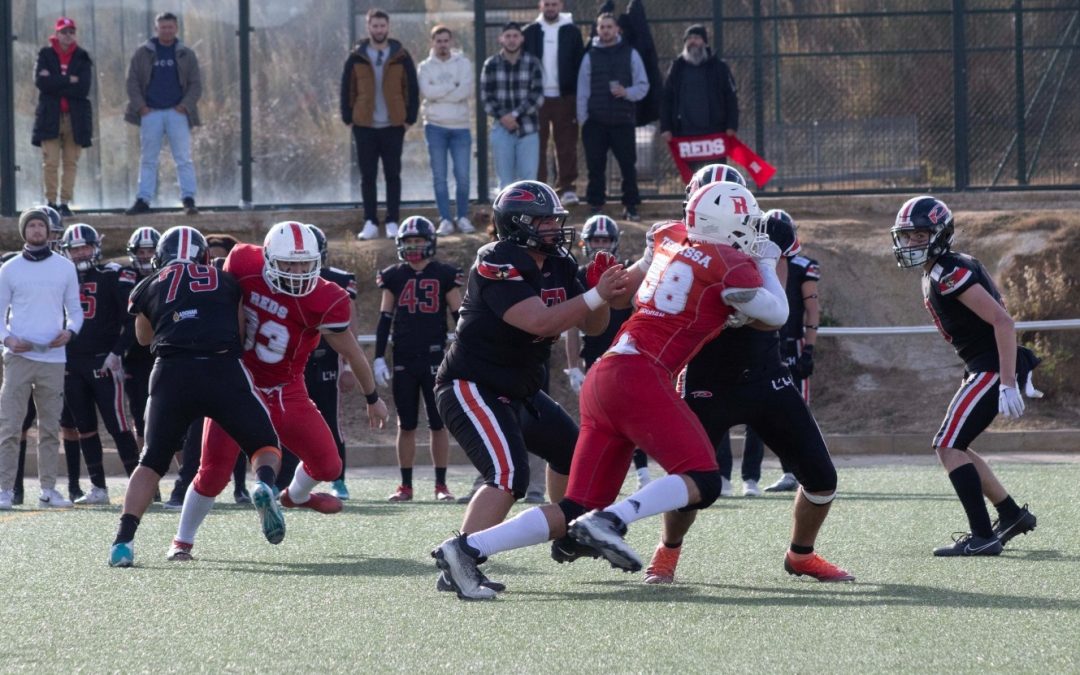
718,147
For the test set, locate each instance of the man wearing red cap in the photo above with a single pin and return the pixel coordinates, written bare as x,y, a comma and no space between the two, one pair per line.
63,122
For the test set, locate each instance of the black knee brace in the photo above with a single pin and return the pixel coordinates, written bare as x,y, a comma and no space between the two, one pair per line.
708,484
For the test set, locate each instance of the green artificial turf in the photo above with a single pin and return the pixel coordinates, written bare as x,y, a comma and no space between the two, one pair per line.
356,591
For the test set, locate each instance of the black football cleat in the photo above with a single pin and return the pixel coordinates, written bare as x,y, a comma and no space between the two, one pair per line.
967,544
567,550
1022,523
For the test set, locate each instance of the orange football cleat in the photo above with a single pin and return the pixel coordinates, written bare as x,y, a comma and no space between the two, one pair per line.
318,501
813,565
402,494
662,568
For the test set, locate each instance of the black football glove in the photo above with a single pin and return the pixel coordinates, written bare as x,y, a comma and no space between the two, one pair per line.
804,367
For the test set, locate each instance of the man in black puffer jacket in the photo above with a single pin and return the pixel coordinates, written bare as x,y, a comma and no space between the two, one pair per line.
63,122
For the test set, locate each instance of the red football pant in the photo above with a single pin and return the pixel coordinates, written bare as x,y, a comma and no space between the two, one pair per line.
300,427
629,401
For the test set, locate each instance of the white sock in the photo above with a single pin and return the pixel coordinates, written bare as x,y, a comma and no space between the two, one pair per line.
301,485
528,528
196,506
643,473
663,494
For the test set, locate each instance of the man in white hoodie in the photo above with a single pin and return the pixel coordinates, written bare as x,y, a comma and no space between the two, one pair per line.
446,83
37,290
556,41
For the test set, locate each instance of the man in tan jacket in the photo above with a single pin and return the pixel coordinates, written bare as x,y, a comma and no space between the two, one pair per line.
380,99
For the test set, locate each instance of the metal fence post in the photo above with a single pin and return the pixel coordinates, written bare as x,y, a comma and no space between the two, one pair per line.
480,40
960,97
759,80
244,32
1021,119
718,27
7,110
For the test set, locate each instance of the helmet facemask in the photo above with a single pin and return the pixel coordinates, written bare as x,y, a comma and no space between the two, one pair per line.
553,242
279,274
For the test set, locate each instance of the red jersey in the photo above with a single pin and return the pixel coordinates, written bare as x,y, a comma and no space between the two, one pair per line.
282,330
680,303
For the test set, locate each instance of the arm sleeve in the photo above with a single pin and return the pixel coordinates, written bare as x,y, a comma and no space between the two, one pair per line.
640,88
382,333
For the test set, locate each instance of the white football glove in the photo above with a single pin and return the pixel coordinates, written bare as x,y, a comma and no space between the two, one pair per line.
737,320
576,378
114,364
650,242
1010,402
765,252
382,372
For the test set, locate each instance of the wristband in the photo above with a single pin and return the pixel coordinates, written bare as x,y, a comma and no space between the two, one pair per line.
372,398
593,299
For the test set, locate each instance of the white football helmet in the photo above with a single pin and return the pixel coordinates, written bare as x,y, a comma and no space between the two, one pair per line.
724,213
292,256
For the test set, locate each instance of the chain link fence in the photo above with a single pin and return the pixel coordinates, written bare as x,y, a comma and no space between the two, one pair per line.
839,95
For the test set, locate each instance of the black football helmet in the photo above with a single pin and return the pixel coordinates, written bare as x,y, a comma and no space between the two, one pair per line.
76,237
519,208
925,214
416,226
324,247
781,229
144,237
181,244
600,226
712,173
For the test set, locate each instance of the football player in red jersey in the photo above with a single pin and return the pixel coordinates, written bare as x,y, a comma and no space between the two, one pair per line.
287,306
967,307
689,283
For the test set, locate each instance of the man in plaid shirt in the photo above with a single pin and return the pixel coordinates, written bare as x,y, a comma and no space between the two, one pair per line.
513,86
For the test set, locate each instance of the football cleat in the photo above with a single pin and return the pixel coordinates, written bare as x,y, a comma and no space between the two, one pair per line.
122,554
750,488
340,490
270,515
242,496
567,550
662,568
174,504
966,544
604,532
813,565
180,551
442,494
786,483
1006,529
402,494
458,561
443,584
317,501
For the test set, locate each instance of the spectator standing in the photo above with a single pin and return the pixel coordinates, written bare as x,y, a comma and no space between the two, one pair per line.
446,84
163,87
612,78
512,84
63,122
37,288
699,92
556,41
379,101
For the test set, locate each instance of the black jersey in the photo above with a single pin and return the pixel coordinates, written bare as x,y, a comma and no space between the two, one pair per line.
194,310
490,351
137,353
594,346
420,305
347,280
107,327
800,270
971,337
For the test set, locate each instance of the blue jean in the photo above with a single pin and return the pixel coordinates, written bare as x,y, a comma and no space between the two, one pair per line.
152,129
516,157
458,142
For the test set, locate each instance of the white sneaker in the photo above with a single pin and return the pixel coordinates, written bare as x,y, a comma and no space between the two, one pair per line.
95,496
6,498
391,230
369,231
51,499
569,198
750,489
725,487
465,225
445,228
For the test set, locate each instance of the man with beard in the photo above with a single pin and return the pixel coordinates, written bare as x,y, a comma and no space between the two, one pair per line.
683,109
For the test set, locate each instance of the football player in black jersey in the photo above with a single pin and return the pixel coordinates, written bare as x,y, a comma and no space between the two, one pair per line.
324,373
56,230
94,375
141,246
416,294
971,315
522,293
740,378
189,313
599,233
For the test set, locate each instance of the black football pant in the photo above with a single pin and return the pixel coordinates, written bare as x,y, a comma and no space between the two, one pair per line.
137,388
